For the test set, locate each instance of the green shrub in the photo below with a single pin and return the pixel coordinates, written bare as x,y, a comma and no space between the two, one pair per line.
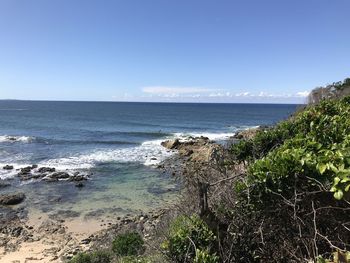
135,259
203,256
185,236
101,257
128,244
264,140
93,257
81,258
319,152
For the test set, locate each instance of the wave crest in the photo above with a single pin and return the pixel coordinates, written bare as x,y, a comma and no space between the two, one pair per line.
10,138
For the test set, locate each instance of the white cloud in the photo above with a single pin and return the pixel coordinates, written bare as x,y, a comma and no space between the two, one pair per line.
217,94
165,90
302,94
243,94
183,93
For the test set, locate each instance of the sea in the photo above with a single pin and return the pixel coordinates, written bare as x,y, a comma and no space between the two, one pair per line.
117,143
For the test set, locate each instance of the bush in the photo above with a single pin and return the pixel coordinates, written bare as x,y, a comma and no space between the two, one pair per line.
94,257
203,256
319,152
266,139
185,236
128,244
297,190
81,258
135,259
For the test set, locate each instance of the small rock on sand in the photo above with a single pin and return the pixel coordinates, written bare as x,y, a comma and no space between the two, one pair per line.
11,199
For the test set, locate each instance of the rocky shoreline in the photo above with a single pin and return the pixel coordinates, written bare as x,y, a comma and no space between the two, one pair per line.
51,239
47,174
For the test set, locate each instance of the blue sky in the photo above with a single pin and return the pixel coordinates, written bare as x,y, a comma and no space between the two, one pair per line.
172,50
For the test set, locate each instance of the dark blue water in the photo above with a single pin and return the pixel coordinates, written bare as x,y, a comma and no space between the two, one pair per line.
119,142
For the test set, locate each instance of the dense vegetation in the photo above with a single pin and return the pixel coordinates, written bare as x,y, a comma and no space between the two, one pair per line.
297,186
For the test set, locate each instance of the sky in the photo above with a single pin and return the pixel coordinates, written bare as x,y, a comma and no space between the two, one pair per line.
272,51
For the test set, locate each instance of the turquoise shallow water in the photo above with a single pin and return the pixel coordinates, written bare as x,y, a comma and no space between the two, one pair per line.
118,142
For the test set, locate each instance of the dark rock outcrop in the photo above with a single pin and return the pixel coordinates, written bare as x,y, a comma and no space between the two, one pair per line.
25,171
11,199
8,167
171,144
46,170
60,175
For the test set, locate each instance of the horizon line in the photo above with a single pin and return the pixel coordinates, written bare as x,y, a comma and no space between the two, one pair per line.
169,102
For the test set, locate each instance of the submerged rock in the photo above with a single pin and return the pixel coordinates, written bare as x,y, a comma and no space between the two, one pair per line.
11,199
79,185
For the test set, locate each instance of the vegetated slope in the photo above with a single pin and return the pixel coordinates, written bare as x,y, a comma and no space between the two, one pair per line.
335,90
295,197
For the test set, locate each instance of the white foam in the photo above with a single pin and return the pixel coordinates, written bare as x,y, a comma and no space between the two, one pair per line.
211,136
148,153
8,138
7,174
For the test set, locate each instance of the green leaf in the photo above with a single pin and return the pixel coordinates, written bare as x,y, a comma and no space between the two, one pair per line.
333,189
322,168
345,180
338,195
336,180
347,188
333,168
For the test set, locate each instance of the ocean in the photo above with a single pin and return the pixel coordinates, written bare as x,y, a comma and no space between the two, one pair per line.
117,142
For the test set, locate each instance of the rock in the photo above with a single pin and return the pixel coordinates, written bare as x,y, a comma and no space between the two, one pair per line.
46,170
85,241
171,144
203,138
153,159
79,185
186,152
16,232
25,170
38,176
31,176
248,133
59,175
8,167
78,178
11,199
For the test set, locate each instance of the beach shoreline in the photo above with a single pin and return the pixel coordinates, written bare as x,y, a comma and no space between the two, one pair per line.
45,238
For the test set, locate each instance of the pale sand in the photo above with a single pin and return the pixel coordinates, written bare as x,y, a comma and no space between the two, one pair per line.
48,247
